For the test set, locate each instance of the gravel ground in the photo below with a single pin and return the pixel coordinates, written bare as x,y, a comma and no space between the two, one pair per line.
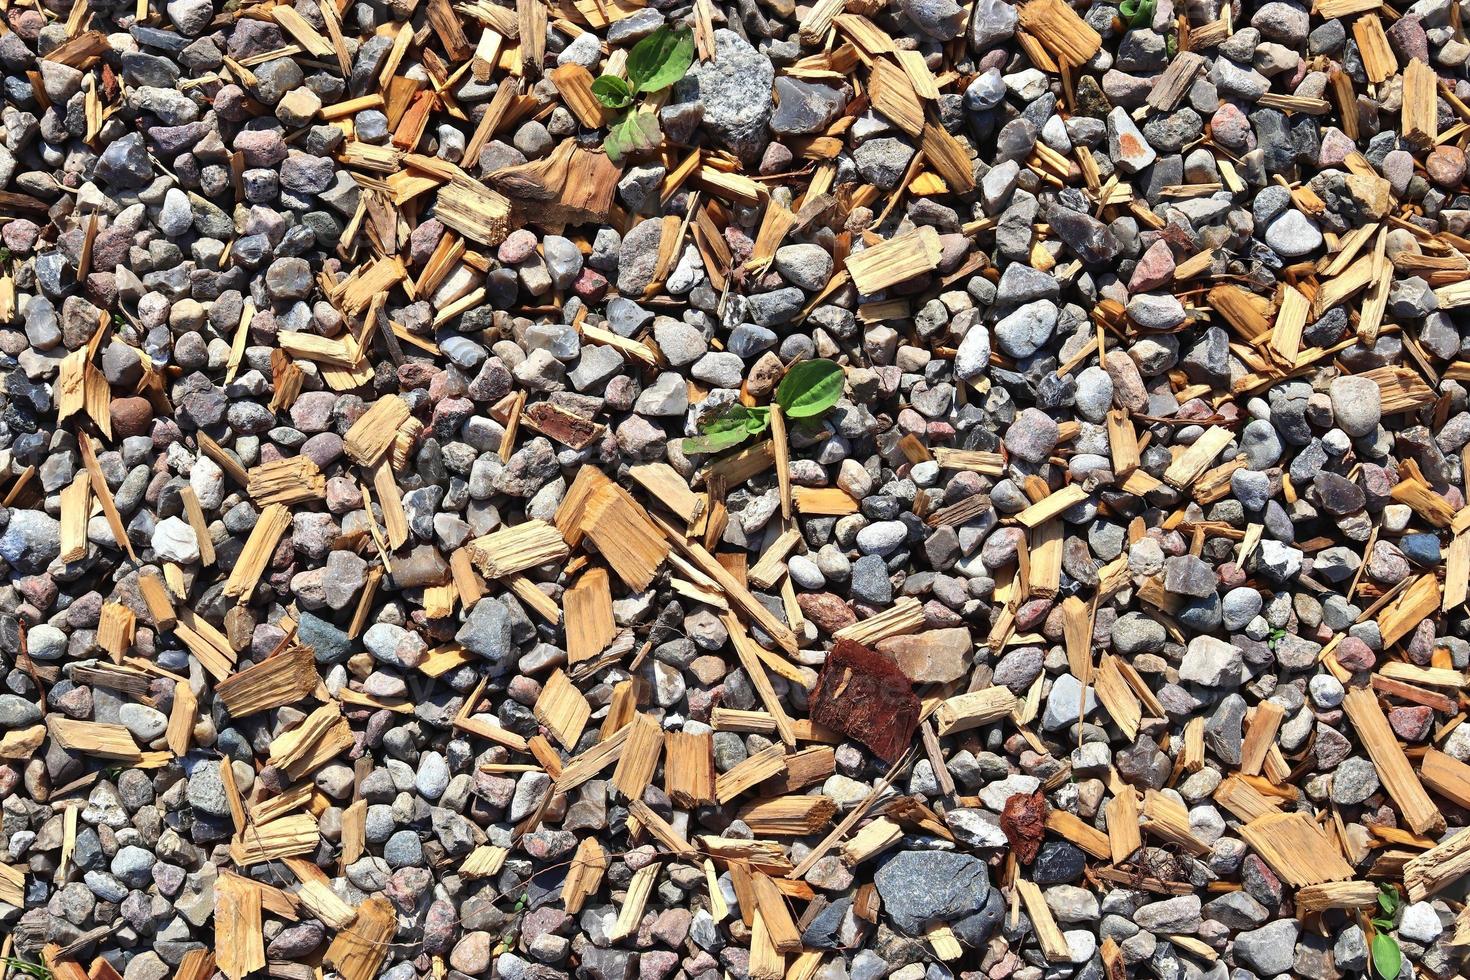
366,612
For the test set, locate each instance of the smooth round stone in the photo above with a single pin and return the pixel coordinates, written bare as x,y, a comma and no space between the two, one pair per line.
1239,606
144,722
882,537
804,572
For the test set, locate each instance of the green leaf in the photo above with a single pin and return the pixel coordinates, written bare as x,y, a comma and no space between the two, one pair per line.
810,388
636,132
1388,959
1137,13
1388,899
729,429
642,130
612,92
661,59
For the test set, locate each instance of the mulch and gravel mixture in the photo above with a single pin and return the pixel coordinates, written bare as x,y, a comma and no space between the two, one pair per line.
734,491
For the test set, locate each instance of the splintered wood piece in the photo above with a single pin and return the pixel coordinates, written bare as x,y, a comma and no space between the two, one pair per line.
94,738
76,505
357,953
283,838
823,501
286,678
1438,867
771,906
1296,849
583,767
668,488
354,831
1061,31
317,896
1446,775
1394,770
313,743
115,630
259,547
641,815
875,838
472,209
395,518
1045,560
689,768
766,961
1244,800
239,944
1408,610
585,876
181,719
517,548
574,84
946,155
197,964
1420,114
622,708
1052,505
1291,317
208,645
1079,832
484,861
103,493
631,914
1053,944
752,607
1169,820
1124,838
893,95
200,526
788,816
12,886
635,768
373,434
966,711
1189,464
1077,636
806,768
749,772
974,460
752,660
1378,60
904,616
623,534
1429,505
1122,443
562,709
896,260
1175,81
1260,735
588,614
1337,895
767,571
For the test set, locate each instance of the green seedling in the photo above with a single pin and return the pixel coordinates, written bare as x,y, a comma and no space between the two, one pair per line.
655,63
807,391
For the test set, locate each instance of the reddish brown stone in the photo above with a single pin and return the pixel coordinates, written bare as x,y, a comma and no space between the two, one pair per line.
1411,723
1024,823
828,611
1354,654
865,695
131,417
1446,166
